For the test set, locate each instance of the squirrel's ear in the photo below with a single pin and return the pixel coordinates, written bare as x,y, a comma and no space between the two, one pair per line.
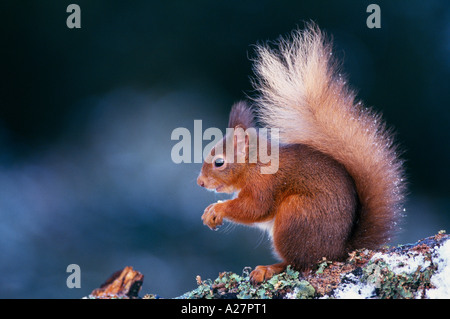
241,143
241,115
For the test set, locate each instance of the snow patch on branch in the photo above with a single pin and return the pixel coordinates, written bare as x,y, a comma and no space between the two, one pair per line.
441,279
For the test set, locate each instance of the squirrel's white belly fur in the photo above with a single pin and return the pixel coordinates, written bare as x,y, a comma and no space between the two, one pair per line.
266,226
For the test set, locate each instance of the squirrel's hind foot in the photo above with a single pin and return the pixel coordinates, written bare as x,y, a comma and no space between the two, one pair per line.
262,273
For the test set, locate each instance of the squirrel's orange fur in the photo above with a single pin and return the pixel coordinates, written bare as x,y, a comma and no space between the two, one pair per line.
340,183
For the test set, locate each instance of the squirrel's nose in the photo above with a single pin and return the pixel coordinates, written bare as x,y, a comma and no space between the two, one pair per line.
200,181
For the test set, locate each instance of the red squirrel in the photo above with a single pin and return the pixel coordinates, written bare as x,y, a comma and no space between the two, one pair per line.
340,184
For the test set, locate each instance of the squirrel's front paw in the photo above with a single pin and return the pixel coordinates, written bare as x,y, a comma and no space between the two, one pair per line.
212,217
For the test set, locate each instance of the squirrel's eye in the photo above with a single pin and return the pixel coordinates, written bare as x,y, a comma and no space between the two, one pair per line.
219,162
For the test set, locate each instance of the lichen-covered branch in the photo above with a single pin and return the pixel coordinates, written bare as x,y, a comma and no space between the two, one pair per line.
420,270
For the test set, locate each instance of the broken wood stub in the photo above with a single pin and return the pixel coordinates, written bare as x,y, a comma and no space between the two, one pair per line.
124,283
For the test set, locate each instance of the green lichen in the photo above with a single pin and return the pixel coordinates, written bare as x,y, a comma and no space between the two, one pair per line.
321,266
203,291
391,285
231,285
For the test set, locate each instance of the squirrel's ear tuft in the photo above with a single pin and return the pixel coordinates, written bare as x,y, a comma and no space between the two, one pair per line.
241,115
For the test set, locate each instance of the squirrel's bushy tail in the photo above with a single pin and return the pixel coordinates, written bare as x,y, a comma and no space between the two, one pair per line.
302,94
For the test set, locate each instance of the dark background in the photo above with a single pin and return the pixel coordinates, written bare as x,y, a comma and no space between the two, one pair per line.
86,116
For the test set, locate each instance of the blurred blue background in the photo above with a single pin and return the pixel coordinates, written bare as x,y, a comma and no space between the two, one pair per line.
86,117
